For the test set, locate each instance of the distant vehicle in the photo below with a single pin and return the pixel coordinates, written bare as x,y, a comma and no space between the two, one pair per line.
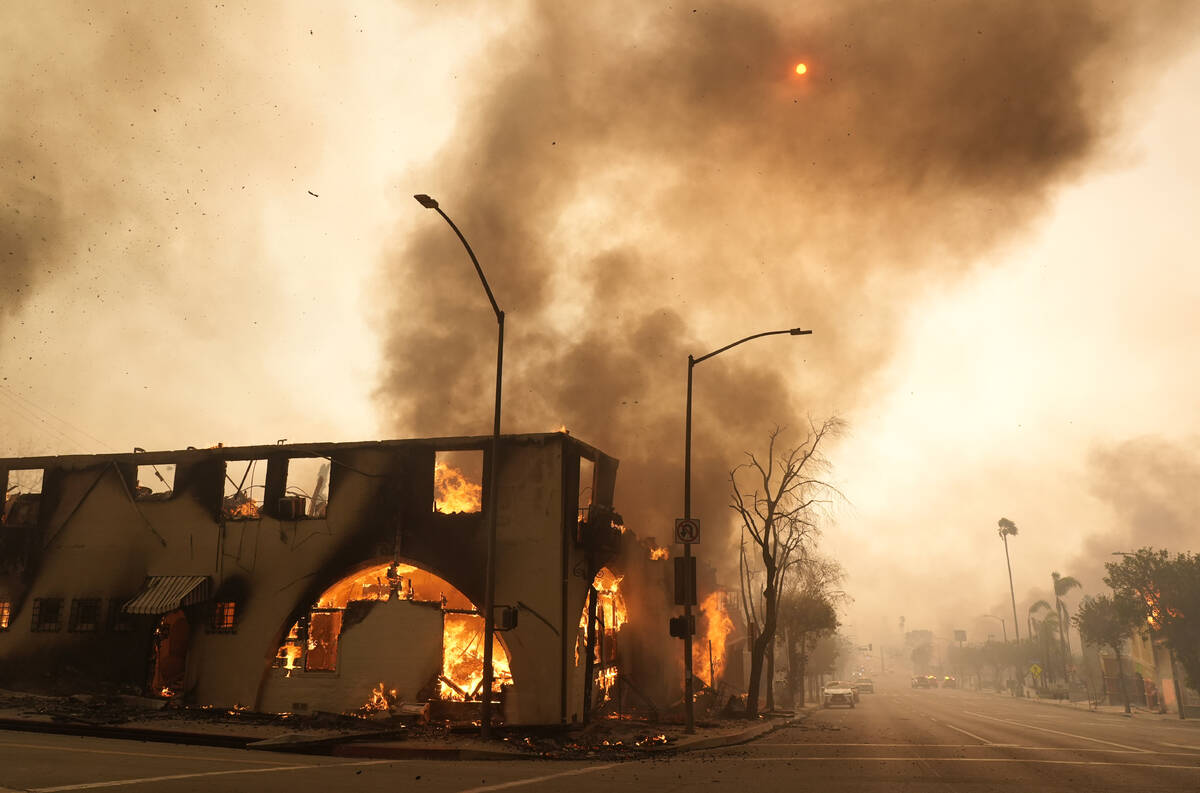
949,682
837,693
864,685
924,681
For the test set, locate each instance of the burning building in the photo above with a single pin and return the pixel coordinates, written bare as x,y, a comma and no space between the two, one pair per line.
306,577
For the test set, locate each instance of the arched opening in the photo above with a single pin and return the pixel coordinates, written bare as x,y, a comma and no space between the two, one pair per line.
389,635
604,614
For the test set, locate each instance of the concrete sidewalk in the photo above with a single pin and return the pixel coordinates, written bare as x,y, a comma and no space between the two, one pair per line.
1112,710
140,719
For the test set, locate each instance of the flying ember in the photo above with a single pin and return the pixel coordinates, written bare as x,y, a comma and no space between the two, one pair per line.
801,68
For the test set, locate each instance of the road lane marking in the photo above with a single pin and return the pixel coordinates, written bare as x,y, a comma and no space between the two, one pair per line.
1029,761
533,780
964,732
1016,746
172,777
968,734
1058,732
210,759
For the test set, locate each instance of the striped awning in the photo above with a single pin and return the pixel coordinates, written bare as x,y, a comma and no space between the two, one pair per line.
162,594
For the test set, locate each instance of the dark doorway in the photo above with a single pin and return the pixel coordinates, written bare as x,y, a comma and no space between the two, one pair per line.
171,639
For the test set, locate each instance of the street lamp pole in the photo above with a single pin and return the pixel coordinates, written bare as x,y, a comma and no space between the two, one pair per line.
688,686
489,590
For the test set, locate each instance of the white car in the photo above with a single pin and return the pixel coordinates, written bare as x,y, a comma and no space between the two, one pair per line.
837,693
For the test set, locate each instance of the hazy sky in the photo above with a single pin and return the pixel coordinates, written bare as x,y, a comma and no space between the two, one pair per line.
986,214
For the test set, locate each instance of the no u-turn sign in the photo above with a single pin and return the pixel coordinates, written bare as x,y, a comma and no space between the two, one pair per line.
687,530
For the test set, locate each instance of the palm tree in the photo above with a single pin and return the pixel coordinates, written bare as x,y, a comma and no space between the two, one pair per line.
1033,610
1062,585
1007,527
1046,625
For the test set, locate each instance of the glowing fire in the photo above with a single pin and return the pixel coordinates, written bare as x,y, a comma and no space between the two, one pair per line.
718,627
606,680
610,604
801,68
659,553
453,492
462,659
1154,618
380,701
240,505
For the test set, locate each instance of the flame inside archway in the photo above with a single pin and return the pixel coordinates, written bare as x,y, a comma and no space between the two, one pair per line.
462,634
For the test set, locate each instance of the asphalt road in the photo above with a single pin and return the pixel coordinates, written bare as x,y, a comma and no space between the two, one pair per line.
895,740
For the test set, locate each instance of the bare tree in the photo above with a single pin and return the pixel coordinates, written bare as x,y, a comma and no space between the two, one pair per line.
779,515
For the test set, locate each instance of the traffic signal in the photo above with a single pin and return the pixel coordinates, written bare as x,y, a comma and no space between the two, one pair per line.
683,626
685,581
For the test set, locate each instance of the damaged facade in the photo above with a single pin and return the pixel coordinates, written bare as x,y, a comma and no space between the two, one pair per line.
315,577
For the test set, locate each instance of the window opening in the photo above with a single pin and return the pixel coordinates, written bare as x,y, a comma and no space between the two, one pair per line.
224,617
245,488
22,495
587,470
5,614
307,488
85,615
324,630
47,615
458,482
155,482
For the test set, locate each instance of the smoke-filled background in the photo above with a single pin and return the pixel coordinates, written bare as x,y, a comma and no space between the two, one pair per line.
982,211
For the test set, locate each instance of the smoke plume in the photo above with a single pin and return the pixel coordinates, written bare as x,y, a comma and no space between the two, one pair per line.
643,184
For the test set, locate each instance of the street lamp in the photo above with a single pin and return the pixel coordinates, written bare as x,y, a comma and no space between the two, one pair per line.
489,589
689,706
1003,627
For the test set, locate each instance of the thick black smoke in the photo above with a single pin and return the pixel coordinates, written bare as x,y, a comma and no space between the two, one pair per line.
644,183
1150,485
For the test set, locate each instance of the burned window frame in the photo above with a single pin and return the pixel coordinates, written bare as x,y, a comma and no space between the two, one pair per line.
335,652
37,617
262,506
292,490
5,615
8,504
119,621
480,459
224,620
76,622
151,496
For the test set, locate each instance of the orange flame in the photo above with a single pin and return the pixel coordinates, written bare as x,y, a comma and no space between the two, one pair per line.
718,626
453,492
240,505
462,659
380,701
659,553
610,603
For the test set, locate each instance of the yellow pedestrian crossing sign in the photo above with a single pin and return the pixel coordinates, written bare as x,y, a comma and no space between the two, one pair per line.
1036,671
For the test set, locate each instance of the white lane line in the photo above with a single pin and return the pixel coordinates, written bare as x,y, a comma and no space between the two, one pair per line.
209,759
1016,746
533,780
1058,732
1028,761
143,780
968,734
1180,746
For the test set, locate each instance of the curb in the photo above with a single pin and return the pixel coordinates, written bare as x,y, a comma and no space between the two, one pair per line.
127,733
